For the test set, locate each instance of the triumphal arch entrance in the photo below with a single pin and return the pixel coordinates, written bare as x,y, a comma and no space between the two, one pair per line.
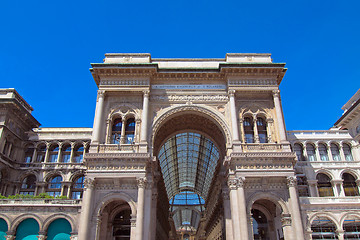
189,149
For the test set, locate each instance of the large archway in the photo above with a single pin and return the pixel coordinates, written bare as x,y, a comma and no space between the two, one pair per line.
189,147
266,220
115,221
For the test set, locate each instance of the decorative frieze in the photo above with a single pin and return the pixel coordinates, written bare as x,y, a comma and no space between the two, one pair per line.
252,82
191,98
125,82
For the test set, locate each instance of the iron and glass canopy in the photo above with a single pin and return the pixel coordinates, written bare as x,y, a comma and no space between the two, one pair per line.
188,161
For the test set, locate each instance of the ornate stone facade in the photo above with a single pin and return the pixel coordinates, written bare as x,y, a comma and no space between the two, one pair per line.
180,149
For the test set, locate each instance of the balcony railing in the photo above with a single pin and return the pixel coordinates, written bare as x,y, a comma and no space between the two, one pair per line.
118,148
40,201
270,147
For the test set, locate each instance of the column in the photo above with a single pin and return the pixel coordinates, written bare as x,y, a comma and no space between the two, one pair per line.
33,159
328,150
140,208
338,189
72,152
47,153
342,155
269,123
122,136
295,209
232,184
42,236
256,133
133,227
286,225
10,235
147,210
242,132
340,233
98,226
280,118
98,117
227,214
313,188
85,217
60,153
317,154
234,125
242,209
144,117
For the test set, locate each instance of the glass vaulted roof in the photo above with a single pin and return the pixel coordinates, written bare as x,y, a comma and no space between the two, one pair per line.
188,161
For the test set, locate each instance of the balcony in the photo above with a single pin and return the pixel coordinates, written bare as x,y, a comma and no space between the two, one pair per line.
263,147
40,202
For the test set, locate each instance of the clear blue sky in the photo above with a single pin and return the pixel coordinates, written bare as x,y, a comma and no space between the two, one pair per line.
46,48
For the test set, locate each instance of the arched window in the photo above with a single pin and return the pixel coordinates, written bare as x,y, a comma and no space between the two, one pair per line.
335,152
347,152
310,150
248,130
122,225
54,187
79,154
302,185
299,152
28,229
29,152
130,130
116,131
351,227
40,153
324,185
323,152
261,127
66,153
59,229
349,184
28,185
323,228
78,188
54,152
6,147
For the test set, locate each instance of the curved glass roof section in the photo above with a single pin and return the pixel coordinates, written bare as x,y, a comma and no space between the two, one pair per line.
188,162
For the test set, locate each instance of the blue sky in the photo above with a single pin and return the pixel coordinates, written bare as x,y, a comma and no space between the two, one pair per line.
46,48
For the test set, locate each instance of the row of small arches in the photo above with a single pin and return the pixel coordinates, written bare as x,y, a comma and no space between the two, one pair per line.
54,186
324,227
325,186
29,229
65,152
308,151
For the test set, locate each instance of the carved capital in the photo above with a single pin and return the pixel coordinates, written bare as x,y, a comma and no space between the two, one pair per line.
9,237
146,93
241,182
141,182
291,181
231,93
89,183
101,93
42,236
233,183
286,220
276,93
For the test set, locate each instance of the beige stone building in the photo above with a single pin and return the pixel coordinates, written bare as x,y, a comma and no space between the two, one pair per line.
180,149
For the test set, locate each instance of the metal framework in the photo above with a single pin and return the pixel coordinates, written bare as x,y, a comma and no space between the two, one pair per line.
188,161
